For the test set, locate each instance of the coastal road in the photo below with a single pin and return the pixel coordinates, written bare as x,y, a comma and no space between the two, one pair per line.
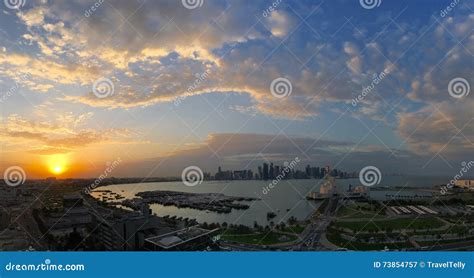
312,235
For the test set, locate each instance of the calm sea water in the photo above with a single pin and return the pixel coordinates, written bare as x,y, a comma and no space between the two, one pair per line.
286,199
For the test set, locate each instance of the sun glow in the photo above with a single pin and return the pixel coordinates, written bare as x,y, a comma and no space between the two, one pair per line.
57,164
57,169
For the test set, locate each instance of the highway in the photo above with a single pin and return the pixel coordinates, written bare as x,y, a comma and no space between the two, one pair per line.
312,234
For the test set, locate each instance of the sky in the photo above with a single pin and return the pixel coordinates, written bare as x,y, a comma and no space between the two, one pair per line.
163,85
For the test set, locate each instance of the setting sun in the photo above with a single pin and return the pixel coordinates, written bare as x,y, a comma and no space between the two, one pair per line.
57,169
57,164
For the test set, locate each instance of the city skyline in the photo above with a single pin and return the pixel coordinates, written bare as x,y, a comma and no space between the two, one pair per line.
162,86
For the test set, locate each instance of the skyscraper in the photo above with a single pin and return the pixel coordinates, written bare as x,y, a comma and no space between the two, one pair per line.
265,171
272,171
249,174
315,172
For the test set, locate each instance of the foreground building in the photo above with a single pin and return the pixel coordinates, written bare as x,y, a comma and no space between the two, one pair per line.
467,184
188,239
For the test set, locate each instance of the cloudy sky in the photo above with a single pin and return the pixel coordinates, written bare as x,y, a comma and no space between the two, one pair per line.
166,84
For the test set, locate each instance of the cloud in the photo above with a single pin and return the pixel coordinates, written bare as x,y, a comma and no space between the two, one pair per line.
135,50
61,136
351,48
42,73
280,23
447,128
33,17
355,65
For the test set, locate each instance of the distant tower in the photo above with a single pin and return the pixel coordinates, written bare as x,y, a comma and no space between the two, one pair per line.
265,171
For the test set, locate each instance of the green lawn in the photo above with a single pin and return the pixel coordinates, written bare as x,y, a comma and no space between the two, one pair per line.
447,241
394,224
260,238
336,239
360,211
294,229
449,230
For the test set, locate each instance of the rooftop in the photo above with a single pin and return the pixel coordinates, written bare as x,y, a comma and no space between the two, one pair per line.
178,237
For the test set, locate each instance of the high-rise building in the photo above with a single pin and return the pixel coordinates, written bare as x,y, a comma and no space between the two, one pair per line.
272,171
316,172
323,173
249,174
240,175
265,171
